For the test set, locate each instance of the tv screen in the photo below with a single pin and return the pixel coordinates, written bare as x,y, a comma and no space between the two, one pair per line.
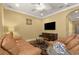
49,26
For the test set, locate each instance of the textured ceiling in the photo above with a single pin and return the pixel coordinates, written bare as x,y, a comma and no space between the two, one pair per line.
39,10
74,15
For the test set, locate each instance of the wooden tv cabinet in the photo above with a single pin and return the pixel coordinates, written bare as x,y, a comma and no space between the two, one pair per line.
50,36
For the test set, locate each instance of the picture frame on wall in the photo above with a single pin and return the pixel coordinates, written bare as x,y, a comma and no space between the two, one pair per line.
29,21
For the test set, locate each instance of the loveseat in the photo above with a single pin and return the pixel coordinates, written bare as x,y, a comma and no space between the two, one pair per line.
71,43
10,45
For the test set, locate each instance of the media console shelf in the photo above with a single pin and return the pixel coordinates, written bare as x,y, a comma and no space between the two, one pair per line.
50,36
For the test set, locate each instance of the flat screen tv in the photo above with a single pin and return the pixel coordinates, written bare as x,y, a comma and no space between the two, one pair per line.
50,26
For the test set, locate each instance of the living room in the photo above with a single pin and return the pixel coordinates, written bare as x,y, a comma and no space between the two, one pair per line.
30,27
13,20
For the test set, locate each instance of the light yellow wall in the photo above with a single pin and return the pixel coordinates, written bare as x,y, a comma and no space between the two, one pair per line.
63,25
71,28
1,18
17,22
60,20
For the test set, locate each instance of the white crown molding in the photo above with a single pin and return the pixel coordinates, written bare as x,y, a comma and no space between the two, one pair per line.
61,10
45,16
21,12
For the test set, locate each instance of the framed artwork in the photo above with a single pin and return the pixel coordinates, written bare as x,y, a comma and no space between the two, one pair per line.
29,21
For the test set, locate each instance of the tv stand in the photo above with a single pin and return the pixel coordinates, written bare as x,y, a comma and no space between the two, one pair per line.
50,36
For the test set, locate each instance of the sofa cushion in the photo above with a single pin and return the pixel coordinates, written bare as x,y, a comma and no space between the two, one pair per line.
62,40
3,52
74,50
26,48
73,43
30,51
69,38
10,44
1,38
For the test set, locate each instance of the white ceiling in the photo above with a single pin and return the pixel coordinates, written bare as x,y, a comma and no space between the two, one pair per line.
74,15
39,10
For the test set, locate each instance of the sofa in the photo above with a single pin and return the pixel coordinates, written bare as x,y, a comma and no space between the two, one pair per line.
15,45
10,45
71,43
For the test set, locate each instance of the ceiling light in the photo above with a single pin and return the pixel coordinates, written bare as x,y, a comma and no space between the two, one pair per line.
17,5
40,6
